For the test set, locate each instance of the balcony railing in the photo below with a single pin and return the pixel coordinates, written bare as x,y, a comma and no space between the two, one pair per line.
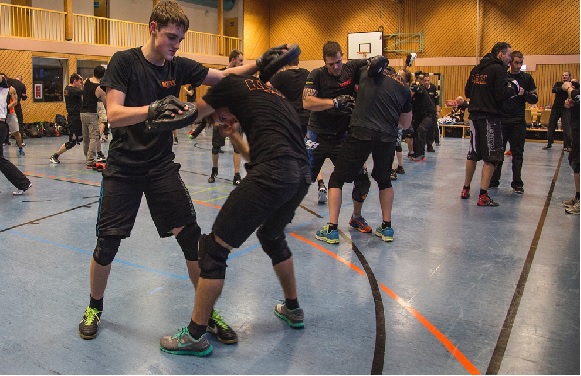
43,24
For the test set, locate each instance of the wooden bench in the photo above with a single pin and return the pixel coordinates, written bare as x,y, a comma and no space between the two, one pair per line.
448,130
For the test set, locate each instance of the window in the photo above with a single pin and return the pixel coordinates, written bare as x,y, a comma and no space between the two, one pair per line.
48,76
86,67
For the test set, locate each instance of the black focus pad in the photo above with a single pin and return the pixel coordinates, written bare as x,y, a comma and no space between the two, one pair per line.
376,65
163,115
277,62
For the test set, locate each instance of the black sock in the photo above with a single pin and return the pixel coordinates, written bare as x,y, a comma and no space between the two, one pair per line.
386,224
196,331
577,195
214,170
483,191
94,303
333,226
321,183
291,303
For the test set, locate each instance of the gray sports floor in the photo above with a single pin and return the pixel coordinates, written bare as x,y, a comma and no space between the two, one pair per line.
462,289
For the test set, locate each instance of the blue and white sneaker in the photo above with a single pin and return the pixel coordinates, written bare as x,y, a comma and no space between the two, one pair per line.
331,237
386,234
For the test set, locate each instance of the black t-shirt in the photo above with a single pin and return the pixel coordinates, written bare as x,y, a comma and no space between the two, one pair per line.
422,105
267,118
575,109
379,104
514,107
433,93
89,98
291,83
560,95
73,99
132,150
20,90
329,86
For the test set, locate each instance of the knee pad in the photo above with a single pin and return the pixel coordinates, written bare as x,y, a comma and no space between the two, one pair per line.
106,249
188,239
398,148
212,258
70,144
335,182
361,186
575,166
277,249
215,150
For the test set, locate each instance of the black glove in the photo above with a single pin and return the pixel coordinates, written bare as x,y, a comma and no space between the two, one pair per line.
270,55
344,103
163,114
376,65
276,59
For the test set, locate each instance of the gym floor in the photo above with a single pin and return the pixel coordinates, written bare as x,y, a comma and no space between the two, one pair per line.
462,289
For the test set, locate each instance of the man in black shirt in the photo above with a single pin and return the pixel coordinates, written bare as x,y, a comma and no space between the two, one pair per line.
277,181
383,103
432,133
572,102
458,112
514,127
142,163
424,114
558,110
326,95
73,101
488,88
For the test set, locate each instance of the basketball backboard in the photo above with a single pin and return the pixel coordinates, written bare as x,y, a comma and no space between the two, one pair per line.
364,45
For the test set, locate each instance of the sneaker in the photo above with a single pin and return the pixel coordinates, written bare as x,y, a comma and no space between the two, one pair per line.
419,158
508,152
546,147
182,343
520,190
20,192
573,209
21,152
90,323
410,155
485,200
237,179
431,150
393,175
400,170
386,234
570,202
23,144
91,166
100,157
567,149
222,331
55,159
331,237
465,193
360,224
322,195
212,178
175,141
293,317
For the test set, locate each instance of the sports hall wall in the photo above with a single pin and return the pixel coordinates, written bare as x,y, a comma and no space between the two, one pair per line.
463,29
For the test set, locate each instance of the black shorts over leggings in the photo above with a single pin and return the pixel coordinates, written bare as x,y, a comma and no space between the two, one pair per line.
167,197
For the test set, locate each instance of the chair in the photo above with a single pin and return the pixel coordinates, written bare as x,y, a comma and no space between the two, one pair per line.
545,115
529,118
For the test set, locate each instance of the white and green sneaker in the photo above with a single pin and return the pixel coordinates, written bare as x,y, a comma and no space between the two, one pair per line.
293,317
182,343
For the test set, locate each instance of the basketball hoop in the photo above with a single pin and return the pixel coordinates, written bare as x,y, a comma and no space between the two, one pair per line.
362,54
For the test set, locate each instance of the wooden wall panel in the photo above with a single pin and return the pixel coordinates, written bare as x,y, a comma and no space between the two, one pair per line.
256,36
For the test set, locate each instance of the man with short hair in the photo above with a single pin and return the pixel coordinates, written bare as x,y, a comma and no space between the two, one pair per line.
218,141
328,94
74,101
514,126
16,122
559,111
432,132
458,112
92,93
487,87
572,102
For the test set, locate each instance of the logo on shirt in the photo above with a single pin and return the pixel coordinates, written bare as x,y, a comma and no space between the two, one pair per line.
346,83
258,85
479,79
168,84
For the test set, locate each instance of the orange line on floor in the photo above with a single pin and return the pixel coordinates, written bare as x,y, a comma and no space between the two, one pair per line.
206,204
465,362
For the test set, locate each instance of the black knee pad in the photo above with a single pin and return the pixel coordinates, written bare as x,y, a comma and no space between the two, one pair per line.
384,185
398,148
212,258
106,249
70,144
277,249
361,186
575,166
215,150
188,239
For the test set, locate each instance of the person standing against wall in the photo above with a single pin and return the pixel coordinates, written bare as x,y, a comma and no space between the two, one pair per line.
559,111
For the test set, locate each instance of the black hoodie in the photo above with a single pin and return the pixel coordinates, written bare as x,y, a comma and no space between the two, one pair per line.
487,87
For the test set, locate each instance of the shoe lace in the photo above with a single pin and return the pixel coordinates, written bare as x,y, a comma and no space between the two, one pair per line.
219,320
181,332
91,314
